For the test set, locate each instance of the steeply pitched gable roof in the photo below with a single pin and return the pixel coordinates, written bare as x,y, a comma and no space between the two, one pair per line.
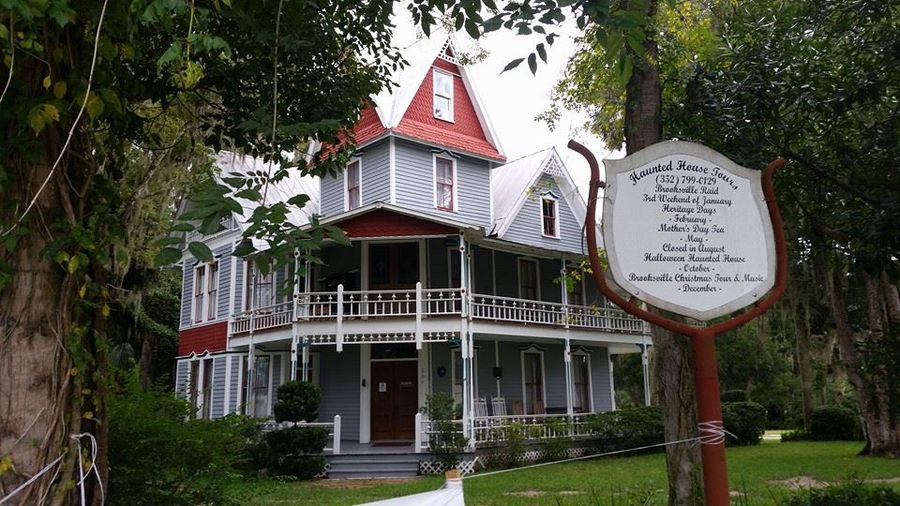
510,186
406,107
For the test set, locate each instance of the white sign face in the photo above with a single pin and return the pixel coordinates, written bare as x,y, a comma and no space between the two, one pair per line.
687,230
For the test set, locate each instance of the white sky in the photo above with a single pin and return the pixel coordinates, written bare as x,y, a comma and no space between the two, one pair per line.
513,99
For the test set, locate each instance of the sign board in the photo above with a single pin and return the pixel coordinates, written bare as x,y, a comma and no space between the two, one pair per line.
687,230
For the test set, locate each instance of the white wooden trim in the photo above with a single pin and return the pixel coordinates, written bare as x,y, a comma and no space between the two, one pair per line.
392,169
590,377
423,259
453,168
533,349
549,196
365,415
537,273
434,93
346,189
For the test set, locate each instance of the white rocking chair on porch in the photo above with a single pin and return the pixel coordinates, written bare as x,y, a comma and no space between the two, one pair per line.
498,406
481,407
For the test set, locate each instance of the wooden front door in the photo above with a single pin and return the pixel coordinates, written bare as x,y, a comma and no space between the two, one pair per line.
395,400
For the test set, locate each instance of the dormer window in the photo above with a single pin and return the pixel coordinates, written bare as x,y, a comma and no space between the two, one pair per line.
444,183
352,182
443,95
549,216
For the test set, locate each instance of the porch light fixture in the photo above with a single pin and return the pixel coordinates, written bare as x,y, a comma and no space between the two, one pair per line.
498,373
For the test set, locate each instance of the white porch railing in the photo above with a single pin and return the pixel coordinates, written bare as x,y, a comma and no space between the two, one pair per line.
334,433
422,303
425,428
490,430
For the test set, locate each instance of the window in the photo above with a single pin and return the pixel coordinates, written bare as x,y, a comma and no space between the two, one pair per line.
528,279
206,289
264,290
206,389
261,378
456,356
533,381
194,383
549,216
444,183
575,291
581,379
443,95
200,387
353,185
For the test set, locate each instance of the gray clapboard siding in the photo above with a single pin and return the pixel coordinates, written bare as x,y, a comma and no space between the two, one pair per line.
376,173
551,290
440,357
277,377
223,255
415,184
507,274
555,380
239,283
483,277
218,387
484,362
182,378
526,226
375,180
187,291
511,383
340,384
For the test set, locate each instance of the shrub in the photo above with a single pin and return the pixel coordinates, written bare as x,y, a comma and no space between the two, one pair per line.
795,435
852,493
557,447
296,451
446,440
297,401
734,396
746,420
159,456
834,423
628,428
515,434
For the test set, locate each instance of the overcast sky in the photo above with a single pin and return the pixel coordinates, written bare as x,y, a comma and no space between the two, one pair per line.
513,99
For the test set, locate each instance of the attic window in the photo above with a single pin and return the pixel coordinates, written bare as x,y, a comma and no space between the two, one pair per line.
549,216
443,95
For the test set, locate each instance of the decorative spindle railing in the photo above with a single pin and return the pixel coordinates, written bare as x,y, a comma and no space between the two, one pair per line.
491,430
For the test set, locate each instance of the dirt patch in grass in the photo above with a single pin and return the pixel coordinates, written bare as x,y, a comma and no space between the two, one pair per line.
801,482
541,493
359,483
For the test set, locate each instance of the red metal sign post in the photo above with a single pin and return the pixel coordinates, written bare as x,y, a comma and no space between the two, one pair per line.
709,408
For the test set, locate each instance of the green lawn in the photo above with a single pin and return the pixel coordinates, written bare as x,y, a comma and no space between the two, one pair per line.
618,481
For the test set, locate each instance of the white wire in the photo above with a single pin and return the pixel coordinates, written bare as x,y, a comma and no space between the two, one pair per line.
12,57
71,130
32,479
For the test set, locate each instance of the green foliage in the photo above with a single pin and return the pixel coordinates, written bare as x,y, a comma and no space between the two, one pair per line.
734,396
628,428
158,456
296,451
746,420
557,447
834,423
297,401
446,440
846,494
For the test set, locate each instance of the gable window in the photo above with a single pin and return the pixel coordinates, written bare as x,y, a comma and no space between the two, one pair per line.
444,183
443,95
549,216
533,381
206,289
353,179
528,279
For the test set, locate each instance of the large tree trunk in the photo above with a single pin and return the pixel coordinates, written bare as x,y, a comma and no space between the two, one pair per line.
36,369
673,366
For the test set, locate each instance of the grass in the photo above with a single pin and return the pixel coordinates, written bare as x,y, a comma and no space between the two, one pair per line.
605,481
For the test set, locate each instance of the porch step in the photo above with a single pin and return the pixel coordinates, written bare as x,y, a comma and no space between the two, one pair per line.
380,465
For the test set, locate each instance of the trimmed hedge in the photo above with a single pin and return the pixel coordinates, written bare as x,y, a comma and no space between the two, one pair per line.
834,423
853,493
628,428
297,401
746,420
296,451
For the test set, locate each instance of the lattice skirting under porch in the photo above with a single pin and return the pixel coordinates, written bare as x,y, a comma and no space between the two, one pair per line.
324,473
434,467
498,458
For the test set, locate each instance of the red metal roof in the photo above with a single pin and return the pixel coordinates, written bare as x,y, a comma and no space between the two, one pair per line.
464,133
369,125
202,339
383,223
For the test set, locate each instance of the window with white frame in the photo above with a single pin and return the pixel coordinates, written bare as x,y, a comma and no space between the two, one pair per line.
456,357
200,387
549,216
581,382
444,183
206,289
353,183
443,95
262,389
264,290
528,279
533,381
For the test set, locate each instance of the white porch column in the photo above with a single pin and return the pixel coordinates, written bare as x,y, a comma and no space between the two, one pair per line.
294,348
251,378
304,350
570,388
497,362
339,328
